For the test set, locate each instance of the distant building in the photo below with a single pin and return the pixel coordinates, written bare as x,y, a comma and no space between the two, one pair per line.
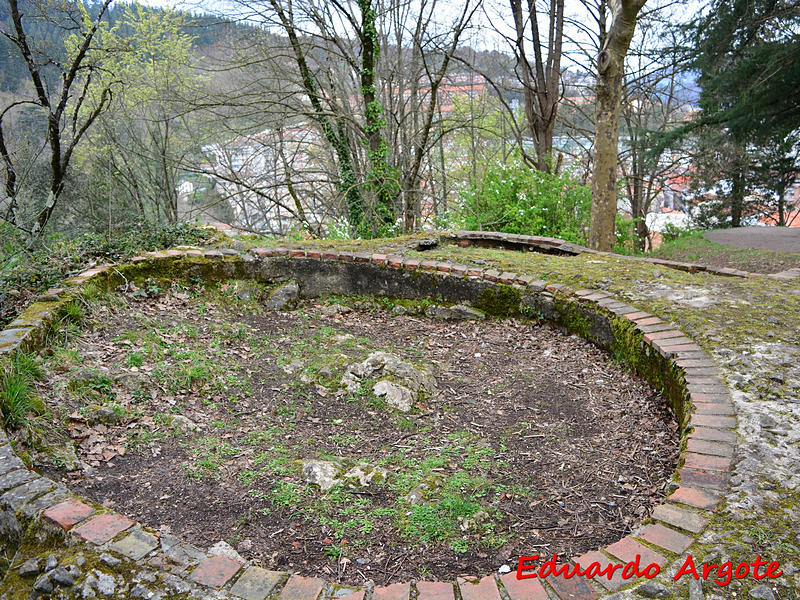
271,178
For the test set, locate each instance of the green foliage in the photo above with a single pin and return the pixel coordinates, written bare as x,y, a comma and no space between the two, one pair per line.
25,273
625,239
672,232
515,199
17,398
746,53
129,170
440,521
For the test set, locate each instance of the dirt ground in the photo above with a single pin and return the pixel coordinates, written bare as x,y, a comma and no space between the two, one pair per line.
191,411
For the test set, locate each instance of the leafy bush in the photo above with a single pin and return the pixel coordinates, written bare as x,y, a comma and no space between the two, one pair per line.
515,199
672,232
625,238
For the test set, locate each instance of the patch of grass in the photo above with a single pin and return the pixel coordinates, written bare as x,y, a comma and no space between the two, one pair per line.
406,424
64,357
143,437
73,312
135,359
767,538
438,522
91,387
247,477
344,440
192,371
18,401
209,455
286,493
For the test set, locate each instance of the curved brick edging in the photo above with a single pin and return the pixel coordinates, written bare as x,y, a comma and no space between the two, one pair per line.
33,508
549,245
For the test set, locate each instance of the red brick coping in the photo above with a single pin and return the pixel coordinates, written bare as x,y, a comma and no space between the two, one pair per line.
708,421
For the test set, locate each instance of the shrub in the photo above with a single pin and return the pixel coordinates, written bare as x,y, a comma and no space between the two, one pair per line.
515,199
672,232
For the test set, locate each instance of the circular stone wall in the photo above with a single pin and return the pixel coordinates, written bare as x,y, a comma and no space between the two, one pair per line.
656,350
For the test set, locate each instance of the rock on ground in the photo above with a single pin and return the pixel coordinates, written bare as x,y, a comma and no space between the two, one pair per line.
397,396
284,297
456,312
400,381
329,473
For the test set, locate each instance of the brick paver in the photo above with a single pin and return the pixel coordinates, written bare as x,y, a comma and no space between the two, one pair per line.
707,447
256,583
395,591
523,589
693,497
666,538
627,549
714,421
67,514
575,588
648,321
663,335
215,571
679,517
302,588
704,479
616,582
357,595
103,528
712,435
704,461
136,545
435,590
478,589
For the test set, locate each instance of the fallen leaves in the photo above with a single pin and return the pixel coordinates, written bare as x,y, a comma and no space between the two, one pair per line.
92,441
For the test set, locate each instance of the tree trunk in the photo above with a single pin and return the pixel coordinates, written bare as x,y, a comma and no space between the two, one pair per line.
378,176
541,80
610,68
737,199
337,137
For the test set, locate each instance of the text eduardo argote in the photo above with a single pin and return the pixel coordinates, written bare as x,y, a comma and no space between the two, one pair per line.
722,574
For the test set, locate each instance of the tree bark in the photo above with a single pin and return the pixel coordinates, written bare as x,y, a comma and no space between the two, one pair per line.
610,68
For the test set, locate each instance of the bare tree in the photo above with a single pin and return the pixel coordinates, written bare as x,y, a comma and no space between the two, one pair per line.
368,76
654,101
540,78
60,103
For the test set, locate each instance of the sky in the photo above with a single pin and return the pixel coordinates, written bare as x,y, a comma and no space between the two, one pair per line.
494,21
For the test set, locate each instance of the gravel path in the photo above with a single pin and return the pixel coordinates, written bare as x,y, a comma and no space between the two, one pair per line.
779,239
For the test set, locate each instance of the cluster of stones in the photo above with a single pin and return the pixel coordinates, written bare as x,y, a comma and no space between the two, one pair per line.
30,502
555,246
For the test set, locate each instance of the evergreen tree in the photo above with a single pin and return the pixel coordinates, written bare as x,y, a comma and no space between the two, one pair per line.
746,53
